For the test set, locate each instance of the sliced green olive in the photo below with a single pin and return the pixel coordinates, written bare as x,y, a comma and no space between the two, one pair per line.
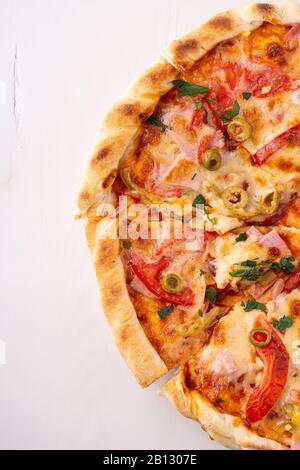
260,337
269,200
171,283
212,159
235,197
239,129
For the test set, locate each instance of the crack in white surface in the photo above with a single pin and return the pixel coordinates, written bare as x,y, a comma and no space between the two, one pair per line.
16,104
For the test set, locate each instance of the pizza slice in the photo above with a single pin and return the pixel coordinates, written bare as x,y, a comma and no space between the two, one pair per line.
244,386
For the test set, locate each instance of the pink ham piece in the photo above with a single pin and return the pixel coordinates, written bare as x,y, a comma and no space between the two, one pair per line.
277,288
292,38
273,240
254,232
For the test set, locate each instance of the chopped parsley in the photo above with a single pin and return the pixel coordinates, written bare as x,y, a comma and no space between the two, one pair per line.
205,116
211,294
200,199
189,89
202,272
200,312
231,114
211,99
156,122
283,323
252,271
285,264
295,374
198,104
127,245
242,237
165,311
194,176
252,304
247,95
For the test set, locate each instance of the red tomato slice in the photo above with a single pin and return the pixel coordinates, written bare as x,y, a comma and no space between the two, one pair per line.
276,363
224,84
266,81
290,136
149,273
293,280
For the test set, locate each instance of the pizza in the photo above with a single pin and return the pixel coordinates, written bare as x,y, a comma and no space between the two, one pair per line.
191,203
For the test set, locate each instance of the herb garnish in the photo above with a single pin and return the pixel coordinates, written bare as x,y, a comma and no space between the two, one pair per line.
165,311
283,323
253,269
247,95
189,89
252,304
242,237
211,294
127,245
205,116
231,114
194,176
285,264
155,122
202,272
200,199
200,312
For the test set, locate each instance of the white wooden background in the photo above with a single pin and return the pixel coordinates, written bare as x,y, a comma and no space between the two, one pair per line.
62,64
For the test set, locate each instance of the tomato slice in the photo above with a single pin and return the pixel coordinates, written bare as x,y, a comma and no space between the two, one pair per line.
276,363
293,281
149,273
266,81
290,136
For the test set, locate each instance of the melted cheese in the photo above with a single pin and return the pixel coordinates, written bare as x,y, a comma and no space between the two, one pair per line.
227,252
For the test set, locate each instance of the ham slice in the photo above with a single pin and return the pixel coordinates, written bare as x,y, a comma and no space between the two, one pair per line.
273,240
254,232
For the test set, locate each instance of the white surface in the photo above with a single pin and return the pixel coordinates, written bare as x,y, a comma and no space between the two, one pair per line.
63,63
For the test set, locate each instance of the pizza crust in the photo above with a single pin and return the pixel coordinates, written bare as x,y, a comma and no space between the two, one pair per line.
184,52
135,348
119,129
228,430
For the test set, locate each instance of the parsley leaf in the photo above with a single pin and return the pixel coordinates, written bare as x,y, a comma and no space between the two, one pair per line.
211,294
231,114
200,312
211,99
283,323
205,116
285,264
194,176
198,104
252,304
247,95
127,245
155,122
165,311
202,272
253,272
242,237
189,89
200,199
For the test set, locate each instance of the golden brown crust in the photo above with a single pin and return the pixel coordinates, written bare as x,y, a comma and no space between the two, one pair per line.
228,430
119,128
184,52
135,348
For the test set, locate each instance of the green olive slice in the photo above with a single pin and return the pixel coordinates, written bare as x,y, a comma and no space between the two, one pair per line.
239,129
235,197
212,159
171,283
269,200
